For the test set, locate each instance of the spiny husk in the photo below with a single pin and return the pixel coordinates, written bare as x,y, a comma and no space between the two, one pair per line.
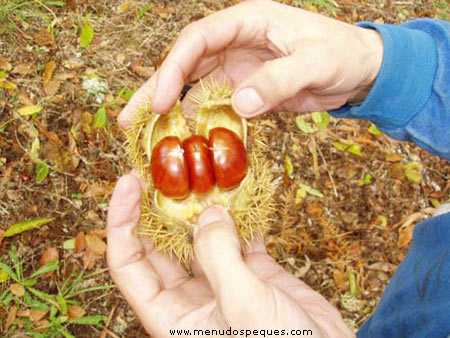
251,204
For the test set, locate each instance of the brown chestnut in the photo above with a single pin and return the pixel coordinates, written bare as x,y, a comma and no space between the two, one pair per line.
169,168
199,161
229,157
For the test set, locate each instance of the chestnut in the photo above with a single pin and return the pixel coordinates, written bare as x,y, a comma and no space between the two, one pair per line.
199,161
169,168
229,157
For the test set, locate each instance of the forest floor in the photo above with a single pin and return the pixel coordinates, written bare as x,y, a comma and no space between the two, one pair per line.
67,69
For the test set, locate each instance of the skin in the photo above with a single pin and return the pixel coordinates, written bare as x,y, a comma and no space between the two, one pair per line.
276,58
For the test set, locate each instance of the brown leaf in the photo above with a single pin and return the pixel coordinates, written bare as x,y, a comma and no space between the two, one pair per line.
98,232
143,71
11,317
2,233
98,189
23,69
340,279
44,37
17,290
4,64
405,235
42,325
89,259
73,63
93,218
163,11
393,158
49,69
23,313
397,171
52,87
50,255
95,244
75,312
65,76
71,4
80,242
314,209
24,99
37,315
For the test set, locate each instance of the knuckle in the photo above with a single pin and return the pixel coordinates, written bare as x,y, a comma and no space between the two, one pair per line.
209,236
191,29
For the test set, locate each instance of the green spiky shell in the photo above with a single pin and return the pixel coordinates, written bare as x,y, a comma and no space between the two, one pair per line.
251,204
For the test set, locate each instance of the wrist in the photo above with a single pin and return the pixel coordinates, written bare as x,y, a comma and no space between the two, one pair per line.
371,57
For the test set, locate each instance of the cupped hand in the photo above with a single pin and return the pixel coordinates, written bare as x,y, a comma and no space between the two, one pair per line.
276,57
230,287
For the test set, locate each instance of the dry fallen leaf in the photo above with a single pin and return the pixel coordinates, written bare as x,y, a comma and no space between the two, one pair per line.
23,313
75,312
44,37
405,235
97,189
49,69
37,315
80,242
11,317
71,4
314,209
4,64
89,259
42,325
17,290
393,158
340,279
95,244
23,69
2,232
98,232
49,255
143,71
52,87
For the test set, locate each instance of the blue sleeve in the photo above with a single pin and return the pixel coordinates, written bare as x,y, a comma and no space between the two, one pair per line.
410,99
416,303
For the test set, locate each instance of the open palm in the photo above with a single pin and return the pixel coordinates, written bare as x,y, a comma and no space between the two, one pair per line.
248,291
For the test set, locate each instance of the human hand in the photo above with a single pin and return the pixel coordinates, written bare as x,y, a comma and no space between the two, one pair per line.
244,291
277,57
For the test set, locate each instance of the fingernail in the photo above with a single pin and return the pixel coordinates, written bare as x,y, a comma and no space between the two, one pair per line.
214,214
247,101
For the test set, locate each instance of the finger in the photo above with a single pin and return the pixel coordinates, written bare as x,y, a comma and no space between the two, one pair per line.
190,103
218,251
132,272
279,80
139,100
168,268
200,39
256,246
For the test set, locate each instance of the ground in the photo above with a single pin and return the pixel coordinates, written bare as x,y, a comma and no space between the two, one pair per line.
350,195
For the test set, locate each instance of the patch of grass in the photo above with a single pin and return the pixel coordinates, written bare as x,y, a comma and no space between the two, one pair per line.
12,11
442,9
20,293
327,6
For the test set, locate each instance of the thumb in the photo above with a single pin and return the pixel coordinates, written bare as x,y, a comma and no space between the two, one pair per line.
275,82
218,251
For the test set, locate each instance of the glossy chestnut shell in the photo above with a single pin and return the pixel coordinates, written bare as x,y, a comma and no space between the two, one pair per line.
229,157
169,168
199,161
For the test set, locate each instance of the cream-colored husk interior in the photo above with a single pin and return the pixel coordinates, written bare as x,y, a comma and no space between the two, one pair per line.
168,222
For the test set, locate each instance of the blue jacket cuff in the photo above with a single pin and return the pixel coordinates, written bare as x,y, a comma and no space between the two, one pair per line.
404,83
